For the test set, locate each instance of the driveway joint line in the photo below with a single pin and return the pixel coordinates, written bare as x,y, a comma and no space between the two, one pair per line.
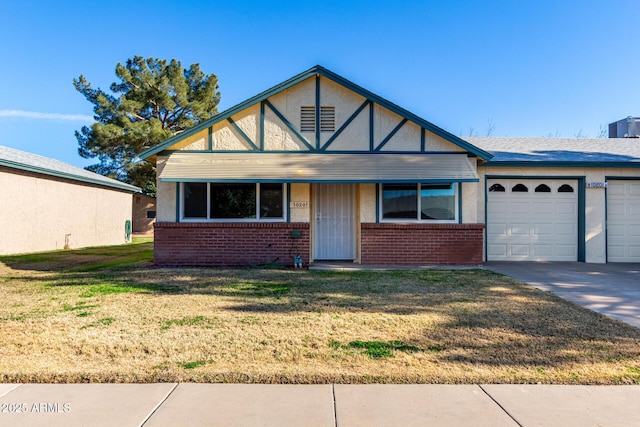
499,405
153,411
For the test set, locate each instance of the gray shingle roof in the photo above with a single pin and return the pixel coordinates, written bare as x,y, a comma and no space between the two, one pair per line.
22,160
621,151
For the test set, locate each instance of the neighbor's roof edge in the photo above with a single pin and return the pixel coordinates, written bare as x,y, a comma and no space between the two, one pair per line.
301,77
544,163
66,175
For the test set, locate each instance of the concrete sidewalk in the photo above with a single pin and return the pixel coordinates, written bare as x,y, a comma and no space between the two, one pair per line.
170,404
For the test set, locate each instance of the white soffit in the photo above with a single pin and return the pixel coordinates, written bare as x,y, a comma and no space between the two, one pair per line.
306,167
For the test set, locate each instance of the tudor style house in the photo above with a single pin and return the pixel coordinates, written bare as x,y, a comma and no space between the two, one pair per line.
321,168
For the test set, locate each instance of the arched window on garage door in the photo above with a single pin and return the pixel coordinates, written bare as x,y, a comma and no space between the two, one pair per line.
565,188
497,188
519,188
543,188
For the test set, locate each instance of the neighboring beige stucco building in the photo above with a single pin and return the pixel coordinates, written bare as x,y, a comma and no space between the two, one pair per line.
144,213
46,205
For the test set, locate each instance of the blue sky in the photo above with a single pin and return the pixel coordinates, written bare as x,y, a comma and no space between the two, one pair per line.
525,68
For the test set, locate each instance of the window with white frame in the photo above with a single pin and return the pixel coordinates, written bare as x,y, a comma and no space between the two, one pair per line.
234,201
437,202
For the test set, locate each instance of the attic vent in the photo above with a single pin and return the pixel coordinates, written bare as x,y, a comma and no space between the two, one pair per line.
308,119
327,119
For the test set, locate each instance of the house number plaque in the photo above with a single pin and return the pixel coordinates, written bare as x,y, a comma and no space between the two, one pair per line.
597,185
299,205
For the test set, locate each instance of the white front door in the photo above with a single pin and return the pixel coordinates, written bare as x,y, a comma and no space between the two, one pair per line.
334,222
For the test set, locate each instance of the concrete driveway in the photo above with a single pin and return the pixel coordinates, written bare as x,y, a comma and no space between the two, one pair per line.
610,289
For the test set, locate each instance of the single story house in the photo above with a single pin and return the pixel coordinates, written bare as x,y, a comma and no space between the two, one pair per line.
320,167
48,204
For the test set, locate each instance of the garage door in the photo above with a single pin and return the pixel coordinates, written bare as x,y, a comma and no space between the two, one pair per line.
532,220
623,221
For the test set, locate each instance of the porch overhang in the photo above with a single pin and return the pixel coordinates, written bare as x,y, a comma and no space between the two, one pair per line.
319,168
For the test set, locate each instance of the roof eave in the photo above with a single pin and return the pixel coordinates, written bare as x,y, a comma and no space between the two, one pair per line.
65,175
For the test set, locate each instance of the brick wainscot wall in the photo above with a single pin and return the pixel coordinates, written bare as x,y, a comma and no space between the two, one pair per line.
229,244
242,244
422,244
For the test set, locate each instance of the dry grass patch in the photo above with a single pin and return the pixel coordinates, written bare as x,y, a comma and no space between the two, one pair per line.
104,315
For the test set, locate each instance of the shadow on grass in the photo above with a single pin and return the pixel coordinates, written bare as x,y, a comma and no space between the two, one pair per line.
476,299
542,335
247,290
483,318
87,259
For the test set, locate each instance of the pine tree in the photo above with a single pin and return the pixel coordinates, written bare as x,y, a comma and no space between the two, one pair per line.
152,101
